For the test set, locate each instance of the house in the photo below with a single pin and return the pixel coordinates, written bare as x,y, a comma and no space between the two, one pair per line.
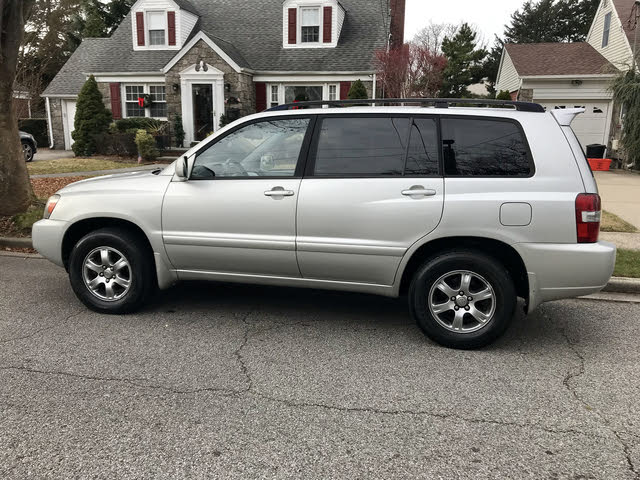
200,59
22,101
567,75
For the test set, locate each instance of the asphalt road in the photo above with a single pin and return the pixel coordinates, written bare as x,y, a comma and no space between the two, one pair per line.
219,381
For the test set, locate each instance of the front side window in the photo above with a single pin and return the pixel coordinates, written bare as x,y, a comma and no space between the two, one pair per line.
310,25
607,30
484,147
132,94
158,101
361,146
157,28
263,149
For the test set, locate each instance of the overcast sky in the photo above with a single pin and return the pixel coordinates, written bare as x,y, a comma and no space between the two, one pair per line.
488,16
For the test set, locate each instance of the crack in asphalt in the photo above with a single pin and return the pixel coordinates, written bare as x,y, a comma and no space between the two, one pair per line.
567,383
40,330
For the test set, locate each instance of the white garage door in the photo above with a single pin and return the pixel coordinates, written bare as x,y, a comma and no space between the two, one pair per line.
591,126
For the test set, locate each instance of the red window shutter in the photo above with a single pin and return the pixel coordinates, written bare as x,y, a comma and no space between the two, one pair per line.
171,26
344,90
328,22
293,26
140,28
261,96
116,104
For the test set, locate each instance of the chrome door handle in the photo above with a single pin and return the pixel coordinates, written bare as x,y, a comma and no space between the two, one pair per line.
419,192
279,192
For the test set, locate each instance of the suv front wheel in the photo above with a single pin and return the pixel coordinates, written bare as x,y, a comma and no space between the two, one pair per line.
111,271
462,299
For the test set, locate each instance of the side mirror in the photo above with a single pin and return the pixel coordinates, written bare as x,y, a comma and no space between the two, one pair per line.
182,168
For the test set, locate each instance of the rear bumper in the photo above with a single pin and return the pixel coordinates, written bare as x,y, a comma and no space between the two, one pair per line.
47,238
566,270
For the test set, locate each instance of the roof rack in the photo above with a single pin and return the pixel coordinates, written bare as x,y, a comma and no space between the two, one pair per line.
435,102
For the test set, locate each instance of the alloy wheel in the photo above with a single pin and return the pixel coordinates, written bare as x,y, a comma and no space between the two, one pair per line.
107,273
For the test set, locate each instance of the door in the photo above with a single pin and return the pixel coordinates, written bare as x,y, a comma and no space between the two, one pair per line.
366,197
591,126
237,212
202,95
70,114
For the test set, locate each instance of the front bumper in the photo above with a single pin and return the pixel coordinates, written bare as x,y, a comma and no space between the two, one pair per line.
47,238
566,270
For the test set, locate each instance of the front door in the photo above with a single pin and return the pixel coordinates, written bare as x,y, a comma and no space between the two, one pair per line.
70,117
367,197
237,212
202,110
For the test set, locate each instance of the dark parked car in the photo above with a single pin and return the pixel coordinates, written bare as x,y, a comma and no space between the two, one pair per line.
29,146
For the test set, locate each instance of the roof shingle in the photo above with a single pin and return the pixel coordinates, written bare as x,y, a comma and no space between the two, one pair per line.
538,59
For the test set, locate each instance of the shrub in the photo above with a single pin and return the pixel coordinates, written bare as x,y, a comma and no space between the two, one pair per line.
358,91
151,125
626,92
36,127
146,145
92,118
122,144
178,130
224,120
503,95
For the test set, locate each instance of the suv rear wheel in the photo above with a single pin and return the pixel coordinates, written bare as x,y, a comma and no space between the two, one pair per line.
111,271
462,299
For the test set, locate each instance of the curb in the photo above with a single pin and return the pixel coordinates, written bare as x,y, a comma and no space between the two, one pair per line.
14,242
615,285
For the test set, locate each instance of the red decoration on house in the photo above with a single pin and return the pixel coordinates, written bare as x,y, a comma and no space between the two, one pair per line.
140,28
344,90
327,24
171,26
116,104
141,101
261,96
293,26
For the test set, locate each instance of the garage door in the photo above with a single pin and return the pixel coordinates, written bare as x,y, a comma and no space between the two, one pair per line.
591,126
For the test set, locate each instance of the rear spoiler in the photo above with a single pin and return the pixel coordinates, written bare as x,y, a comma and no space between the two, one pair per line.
564,116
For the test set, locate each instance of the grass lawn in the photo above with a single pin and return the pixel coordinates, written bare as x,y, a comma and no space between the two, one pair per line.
628,264
613,223
69,165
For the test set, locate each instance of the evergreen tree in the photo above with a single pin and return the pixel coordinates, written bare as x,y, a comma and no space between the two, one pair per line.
92,118
358,91
491,65
464,62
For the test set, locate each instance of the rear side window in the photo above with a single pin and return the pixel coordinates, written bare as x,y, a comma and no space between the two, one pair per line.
485,148
366,146
422,158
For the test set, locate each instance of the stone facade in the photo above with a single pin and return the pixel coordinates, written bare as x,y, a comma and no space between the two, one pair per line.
55,105
106,94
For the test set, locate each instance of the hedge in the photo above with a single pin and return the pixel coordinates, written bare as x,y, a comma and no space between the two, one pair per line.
36,127
121,144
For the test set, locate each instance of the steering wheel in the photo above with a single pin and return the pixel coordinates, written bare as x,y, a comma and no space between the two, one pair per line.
230,165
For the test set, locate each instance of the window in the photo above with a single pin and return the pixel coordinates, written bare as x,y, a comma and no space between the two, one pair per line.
607,30
333,92
132,93
158,101
157,22
275,91
484,147
361,146
310,25
263,149
422,158
302,94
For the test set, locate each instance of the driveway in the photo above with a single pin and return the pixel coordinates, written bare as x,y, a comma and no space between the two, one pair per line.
221,381
620,192
47,154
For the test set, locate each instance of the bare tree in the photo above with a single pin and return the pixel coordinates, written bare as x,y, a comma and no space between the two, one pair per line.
433,35
15,189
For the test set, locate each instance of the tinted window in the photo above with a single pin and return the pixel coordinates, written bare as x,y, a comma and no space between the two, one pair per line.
423,148
361,146
264,149
478,147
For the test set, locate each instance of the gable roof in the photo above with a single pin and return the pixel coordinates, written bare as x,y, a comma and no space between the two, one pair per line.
543,59
625,9
188,6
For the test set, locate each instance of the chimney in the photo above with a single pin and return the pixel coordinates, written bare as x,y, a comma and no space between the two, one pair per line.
397,23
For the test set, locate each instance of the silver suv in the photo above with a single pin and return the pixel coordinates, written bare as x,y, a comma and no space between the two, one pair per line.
463,209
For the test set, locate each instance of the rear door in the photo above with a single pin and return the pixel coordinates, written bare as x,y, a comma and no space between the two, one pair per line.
372,188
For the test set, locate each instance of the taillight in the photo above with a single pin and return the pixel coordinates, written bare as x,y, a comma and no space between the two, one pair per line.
588,213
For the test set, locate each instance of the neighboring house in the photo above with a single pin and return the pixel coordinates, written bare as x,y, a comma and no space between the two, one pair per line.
567,75
201,59
22,102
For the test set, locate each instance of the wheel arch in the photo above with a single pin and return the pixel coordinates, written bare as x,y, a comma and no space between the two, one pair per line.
497,249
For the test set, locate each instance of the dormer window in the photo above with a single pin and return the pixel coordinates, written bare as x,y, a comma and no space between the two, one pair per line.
607,30
310,24
157,24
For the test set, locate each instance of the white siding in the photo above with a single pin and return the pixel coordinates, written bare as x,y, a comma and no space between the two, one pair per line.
618,51
160,5
187,22
508,78
551,89
339,21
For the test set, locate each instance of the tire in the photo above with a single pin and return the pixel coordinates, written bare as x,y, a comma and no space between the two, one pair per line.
132,283
27,151
456,322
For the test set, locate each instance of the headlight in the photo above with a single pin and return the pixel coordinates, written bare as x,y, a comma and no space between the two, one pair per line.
51,204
